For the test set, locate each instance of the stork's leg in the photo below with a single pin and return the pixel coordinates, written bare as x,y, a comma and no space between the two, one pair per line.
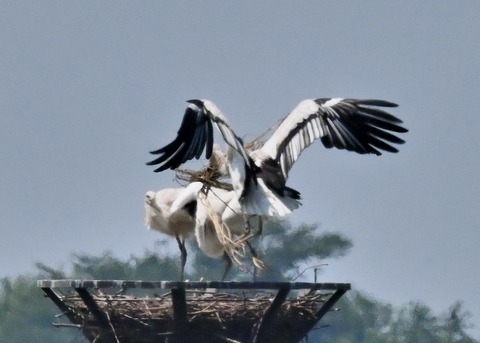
248,226
254,254
260,225
183,254
228,265
252,249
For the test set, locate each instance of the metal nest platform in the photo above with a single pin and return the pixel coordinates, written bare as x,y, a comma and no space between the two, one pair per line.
117,311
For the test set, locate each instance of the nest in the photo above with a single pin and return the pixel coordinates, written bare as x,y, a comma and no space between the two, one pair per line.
212,316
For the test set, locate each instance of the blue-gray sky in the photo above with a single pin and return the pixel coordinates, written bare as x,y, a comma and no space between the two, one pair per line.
88,88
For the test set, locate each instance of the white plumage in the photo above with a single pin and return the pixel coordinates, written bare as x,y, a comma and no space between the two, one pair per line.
214,218
179,222
220,225
259,177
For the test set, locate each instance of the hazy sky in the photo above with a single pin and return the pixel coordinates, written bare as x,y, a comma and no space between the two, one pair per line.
88,88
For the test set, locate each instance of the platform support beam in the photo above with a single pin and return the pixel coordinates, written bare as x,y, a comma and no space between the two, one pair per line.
265,326
59,303
325,308
106,330
330,302
66,311
180,320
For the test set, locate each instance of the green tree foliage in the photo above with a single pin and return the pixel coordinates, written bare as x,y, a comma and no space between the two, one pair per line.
284,250
27,316
150,266
363,319
456,324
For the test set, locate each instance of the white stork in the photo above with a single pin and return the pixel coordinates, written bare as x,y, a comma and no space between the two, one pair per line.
180,212
259,176
180,222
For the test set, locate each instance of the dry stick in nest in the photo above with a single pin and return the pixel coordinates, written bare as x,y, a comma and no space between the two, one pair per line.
234,249
111,325
208,176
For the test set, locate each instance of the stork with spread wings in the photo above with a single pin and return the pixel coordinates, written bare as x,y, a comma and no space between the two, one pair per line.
259,176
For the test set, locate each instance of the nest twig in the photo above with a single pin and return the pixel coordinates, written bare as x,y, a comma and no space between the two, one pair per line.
208,176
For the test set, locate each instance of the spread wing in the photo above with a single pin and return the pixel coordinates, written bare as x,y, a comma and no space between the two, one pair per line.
351,124
195,136
185,197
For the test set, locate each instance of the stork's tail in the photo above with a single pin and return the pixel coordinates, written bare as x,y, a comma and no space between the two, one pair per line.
261,200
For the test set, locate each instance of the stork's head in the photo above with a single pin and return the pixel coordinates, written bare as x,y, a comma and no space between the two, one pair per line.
196,105
206,106
149,197
218,161
157,209
154,216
